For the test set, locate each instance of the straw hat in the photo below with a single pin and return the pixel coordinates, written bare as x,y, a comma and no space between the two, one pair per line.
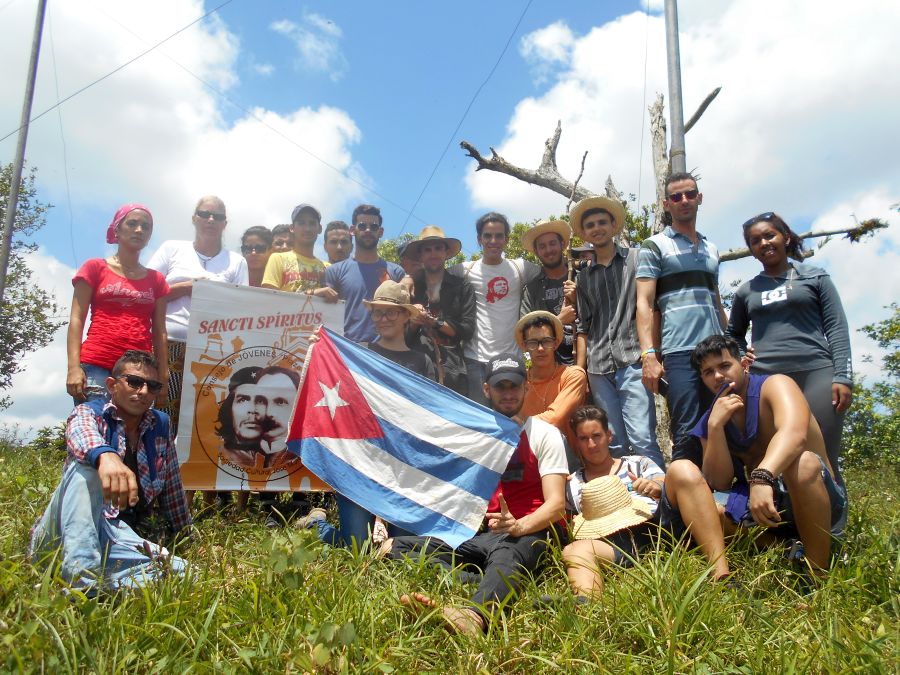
433,233
607,507
558,329
559,227
392,294
590,203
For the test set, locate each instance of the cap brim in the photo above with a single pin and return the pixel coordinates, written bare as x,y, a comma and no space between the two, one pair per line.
515,378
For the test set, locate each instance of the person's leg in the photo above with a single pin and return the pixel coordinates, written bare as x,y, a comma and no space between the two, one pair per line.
355,524
684,404
811,506
176,377
475,371
638,413
816,388
687,494
603,389
507,561
130,561
583,563
95,387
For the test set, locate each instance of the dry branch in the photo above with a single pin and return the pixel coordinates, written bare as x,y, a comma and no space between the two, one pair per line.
580,174
854,234
702,109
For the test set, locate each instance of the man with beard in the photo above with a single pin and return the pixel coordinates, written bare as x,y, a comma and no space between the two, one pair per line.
446,304
355,279
551,291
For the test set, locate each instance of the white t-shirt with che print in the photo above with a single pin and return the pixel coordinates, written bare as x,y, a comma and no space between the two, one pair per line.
498,297
178,261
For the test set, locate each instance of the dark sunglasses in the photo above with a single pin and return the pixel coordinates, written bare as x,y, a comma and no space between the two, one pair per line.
689,194
137,383
254,248
389,314
371,227
218,217
767,216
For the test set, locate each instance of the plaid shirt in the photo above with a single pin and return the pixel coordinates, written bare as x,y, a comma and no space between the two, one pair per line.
89,434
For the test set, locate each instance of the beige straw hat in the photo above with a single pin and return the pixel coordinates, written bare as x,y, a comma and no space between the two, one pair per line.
558,330
392,294
559,227
433,233
607,507
588,204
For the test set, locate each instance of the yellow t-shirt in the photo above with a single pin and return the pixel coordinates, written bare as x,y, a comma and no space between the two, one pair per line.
290,271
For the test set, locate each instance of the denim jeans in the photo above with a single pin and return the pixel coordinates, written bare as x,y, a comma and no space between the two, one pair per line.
688,399
95,388
631,412
355,524
97,550
475,374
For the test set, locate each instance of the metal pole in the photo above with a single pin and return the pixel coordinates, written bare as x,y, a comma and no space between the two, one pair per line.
676,112
16,178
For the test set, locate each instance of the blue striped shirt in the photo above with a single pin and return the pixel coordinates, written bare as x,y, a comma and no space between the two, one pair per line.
687,277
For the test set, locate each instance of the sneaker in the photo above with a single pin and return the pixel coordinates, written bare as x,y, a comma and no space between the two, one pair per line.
310,519
273,522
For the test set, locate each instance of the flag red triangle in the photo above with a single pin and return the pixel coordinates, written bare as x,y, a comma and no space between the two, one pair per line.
330,404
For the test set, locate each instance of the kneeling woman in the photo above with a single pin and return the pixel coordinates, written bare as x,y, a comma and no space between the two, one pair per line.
613,497
391,312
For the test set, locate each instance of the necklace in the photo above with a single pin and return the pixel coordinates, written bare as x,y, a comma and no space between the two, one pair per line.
128,273
204,259
545,389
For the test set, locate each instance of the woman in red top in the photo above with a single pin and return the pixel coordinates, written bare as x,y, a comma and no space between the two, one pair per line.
127,310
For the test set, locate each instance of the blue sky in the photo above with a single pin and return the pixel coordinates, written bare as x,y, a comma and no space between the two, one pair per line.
805,124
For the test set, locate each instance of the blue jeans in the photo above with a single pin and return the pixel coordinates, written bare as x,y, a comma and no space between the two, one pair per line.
631,412
95,388
355,524
475,375
688,399
97,550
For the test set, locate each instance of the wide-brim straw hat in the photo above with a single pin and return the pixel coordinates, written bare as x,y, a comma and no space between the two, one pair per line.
391,295
607,507
433,233
559,227
558,329
589,203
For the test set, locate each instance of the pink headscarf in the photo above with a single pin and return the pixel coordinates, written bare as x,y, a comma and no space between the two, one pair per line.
123,211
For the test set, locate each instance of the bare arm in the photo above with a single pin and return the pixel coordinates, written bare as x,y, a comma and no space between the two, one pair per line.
581,350
179,290
554,507
723,317
718,469
81,301
646,299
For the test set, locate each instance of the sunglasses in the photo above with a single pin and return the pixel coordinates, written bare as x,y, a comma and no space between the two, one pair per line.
546,343
246,249
389,314
767,216
137,383
371,227
204,215
687,194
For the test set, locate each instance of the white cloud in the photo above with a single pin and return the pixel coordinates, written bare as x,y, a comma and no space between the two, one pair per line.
317,40
264,69
655,6
547,49
804,124
151,133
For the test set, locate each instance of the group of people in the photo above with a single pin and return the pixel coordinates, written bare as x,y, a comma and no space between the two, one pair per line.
755,429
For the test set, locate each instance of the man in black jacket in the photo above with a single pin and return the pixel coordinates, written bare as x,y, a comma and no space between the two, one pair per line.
447,305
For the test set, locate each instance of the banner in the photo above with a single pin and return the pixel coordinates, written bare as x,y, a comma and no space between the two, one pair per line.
244,355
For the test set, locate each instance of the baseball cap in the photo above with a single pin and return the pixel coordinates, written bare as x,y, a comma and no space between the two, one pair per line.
509,367
301,207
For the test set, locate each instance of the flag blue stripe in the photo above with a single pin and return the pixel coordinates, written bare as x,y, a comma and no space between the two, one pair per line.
425,393
436,461
394,508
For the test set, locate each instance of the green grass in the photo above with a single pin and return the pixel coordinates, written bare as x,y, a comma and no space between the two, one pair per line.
264,602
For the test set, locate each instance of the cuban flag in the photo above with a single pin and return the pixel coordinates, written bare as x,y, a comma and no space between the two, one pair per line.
401,446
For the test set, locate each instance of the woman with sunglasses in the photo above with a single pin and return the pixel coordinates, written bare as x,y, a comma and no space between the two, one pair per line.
182,263
256,247
128,309
798,324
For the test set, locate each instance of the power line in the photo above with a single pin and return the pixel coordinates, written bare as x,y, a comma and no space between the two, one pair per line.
116,70
643,103
466,112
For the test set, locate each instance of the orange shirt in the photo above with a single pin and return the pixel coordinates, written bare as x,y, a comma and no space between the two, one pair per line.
556,398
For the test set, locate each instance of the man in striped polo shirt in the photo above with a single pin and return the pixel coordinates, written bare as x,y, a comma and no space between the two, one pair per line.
608,346
678,272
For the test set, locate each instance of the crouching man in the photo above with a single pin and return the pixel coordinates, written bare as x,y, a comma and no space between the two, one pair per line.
121,487
523,515
762,444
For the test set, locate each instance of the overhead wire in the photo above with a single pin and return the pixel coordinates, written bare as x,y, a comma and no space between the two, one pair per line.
466,112
643,102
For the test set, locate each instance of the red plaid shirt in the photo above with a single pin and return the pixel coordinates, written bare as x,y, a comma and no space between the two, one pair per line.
86,439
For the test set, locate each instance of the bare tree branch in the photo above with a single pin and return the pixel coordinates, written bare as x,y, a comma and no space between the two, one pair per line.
660,159
702,109
854,234
580,174
547,175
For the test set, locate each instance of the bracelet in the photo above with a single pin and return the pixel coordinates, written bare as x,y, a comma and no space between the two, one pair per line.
648,351
763,477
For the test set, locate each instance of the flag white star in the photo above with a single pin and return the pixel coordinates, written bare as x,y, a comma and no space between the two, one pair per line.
330,398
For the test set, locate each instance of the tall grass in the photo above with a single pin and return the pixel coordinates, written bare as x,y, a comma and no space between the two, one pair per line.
259,601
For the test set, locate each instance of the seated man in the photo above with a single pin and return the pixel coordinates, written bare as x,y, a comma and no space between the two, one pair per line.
761,424
522,516
120,482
